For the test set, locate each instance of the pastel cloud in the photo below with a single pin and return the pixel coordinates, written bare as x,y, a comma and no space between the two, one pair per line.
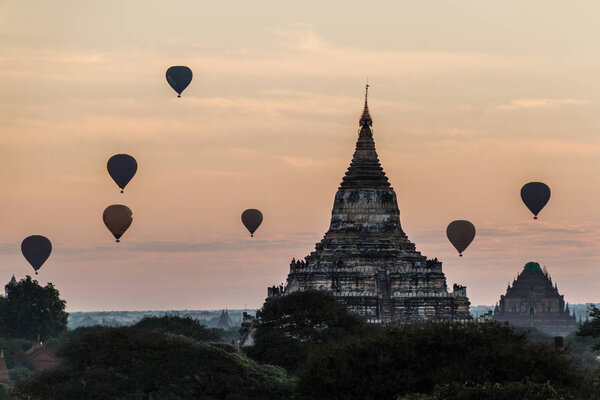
541,103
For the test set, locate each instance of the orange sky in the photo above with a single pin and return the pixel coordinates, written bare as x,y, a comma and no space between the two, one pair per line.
470,100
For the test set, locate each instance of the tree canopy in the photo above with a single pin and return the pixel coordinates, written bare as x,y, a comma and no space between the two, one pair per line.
30,310
185,326
405,360
592,326
131,363
491,391
288,326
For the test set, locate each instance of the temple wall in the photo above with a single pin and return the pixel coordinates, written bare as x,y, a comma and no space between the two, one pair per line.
365,210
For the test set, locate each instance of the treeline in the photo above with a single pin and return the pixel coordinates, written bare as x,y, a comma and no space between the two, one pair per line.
334,354
308,346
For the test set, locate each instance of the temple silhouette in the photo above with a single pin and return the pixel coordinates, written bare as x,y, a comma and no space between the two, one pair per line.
532,301
366,260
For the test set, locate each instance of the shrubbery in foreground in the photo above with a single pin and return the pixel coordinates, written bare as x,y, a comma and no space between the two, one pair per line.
407,360
132,363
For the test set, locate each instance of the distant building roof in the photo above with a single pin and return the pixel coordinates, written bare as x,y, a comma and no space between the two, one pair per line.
41,356
12,281
224,320
4,378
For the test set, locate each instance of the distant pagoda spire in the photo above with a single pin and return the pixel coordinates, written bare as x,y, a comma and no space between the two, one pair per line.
365,171
366,117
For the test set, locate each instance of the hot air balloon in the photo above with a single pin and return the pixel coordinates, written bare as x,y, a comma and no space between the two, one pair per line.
36,249
179,78
535,195
117,219
121,167
252,219
460,233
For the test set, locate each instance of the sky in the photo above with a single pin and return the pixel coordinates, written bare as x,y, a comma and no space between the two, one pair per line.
470,100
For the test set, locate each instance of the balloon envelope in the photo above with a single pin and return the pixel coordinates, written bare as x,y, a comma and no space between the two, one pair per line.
535,195
460,233
252,219
121,167
117,219
179,77
36,249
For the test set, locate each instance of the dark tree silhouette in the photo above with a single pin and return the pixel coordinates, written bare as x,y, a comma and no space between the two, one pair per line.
592,326
30,310
290,325
407,360
185,326
133,363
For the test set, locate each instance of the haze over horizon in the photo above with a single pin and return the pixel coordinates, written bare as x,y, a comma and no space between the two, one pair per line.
469,100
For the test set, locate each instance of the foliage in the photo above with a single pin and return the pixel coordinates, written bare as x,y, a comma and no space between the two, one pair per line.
592,326
229,335
579,349
20,373
5,392
14,353
30,309
185,326
290,325
132,363
415,359
491,391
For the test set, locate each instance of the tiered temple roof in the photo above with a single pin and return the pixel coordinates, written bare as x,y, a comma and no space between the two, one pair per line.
224,320
532,301
41,356
366,259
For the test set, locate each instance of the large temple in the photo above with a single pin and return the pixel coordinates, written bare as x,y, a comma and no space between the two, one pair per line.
366,260
532,301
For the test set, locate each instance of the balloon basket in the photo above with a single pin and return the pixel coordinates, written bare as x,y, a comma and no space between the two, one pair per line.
117,241
535,217
460,255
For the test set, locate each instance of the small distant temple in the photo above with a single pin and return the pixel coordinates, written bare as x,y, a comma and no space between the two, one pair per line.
532,301
4,378
41,356
247,330
224,321
366,260
13,281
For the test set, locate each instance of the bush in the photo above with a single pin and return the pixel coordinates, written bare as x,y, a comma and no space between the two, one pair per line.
414,360
491,391
14,353
185,326
132,363
290,325
19,374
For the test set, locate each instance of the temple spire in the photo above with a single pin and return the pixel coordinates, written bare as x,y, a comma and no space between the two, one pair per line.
365,170
366,117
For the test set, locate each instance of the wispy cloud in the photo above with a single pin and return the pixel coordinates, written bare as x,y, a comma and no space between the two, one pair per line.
535,103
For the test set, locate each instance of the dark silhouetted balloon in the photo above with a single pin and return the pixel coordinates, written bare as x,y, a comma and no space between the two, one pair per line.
535,195
179,78
460,233
36,249
121,167
117,219
252,219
